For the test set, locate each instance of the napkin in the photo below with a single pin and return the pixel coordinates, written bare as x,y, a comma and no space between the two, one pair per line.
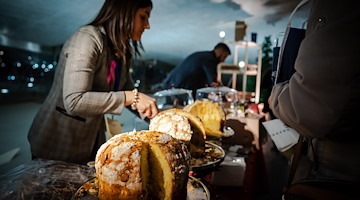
283,136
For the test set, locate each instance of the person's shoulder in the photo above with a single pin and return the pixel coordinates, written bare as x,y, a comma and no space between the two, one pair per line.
201,52
91,32
90,29
87,34
208,55
198,53
205,52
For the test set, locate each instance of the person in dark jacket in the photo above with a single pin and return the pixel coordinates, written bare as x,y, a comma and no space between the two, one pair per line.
321,99
198,70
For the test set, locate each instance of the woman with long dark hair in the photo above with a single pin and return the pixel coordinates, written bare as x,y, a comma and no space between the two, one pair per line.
92,79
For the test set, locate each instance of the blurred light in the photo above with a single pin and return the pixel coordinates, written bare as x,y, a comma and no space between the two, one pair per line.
42,74
35,66
32,63
4,91
137,83
2,53
50,66
11,78
43,66
46,70
3,65
29,58
30,85
54,63
241,64
222,34
18,64
32,79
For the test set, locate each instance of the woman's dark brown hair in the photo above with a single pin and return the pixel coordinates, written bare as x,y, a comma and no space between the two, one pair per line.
116,16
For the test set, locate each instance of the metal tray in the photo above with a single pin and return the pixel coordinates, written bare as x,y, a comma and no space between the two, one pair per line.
195,190
214,155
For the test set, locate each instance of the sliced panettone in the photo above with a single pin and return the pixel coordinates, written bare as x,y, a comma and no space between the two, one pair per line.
183,126
211,114
142,165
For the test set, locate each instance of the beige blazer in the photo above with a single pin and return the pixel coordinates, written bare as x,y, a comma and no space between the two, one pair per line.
67,125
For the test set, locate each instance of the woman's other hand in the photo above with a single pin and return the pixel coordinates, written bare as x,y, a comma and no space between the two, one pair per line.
145,105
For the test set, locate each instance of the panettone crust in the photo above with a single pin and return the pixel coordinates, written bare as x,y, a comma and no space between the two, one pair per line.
193,119
184,126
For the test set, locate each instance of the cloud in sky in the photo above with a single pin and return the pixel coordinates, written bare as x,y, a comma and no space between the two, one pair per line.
271,11
184,26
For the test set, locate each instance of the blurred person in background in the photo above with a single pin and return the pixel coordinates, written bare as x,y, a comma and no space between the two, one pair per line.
92,79
198,70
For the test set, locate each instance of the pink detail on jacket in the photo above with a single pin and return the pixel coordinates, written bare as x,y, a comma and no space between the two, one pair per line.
111,75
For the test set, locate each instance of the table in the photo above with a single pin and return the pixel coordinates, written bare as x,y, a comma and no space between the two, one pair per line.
255,177
48,179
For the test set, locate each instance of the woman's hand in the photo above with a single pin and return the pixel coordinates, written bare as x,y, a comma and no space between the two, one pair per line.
145,105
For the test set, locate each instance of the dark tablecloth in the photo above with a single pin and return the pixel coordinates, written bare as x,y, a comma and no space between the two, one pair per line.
44,179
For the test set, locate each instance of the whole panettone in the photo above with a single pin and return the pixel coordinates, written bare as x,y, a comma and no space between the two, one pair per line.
142,165
183,126
211,114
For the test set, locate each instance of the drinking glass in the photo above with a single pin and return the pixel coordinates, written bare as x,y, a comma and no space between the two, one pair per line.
232,97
